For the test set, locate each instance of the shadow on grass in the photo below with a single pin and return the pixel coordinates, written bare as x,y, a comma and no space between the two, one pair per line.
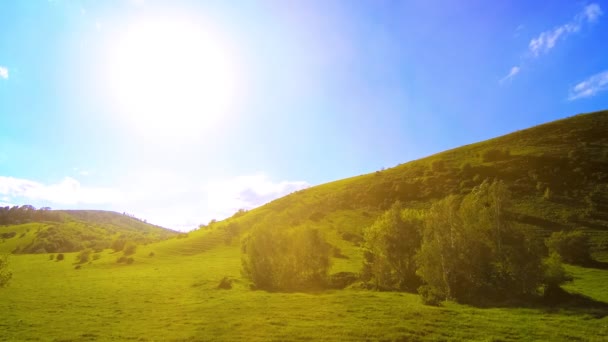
558,300
600,265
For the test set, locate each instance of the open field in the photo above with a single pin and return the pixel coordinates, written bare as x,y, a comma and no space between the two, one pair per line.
175,297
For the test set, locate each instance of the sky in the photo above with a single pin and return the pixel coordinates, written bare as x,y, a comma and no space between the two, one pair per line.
179,112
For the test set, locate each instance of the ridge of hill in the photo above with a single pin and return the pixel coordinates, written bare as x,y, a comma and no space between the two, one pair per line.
28,230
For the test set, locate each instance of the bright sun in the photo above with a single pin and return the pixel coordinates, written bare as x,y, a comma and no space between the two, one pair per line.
171,77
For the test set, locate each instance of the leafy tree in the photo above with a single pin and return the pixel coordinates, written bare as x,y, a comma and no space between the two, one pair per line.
281,259
5,273
554,274
471,249
390,246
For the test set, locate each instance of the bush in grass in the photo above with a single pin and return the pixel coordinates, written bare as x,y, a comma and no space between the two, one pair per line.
130,248
60,257
52,257
286,259
573,247
5,272
84,255
225,284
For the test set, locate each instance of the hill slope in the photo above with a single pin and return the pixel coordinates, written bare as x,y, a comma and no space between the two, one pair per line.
27,230
557,173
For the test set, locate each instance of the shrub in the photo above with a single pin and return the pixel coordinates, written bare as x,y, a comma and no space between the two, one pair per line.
225,284
130,248
96,256
60,257
151,254
52,257
554,274
5,272
84,255
572,247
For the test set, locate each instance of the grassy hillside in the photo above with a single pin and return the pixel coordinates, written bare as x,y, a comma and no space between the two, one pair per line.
170,291
73,230
557,173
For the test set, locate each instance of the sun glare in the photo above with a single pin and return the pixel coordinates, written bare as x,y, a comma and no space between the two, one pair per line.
171,77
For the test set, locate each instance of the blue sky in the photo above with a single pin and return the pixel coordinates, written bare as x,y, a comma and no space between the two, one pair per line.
183,111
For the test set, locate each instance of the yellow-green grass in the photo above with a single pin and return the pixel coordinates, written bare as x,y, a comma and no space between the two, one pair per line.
174,296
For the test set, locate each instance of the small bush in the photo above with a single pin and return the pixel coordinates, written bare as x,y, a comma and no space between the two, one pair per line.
572,247
225,284
84,255
130,260
151,254
52,257
60,257
96,256
77,267
430,295
5,273
130,248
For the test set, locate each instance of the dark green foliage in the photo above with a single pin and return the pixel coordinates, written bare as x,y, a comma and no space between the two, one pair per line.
151,254
390,246
84,255
286,259
573,247
125,260
494,154
52,257
118,245
554,274
225,284
130,248
26,214
60,257
5,272
471,250
341,280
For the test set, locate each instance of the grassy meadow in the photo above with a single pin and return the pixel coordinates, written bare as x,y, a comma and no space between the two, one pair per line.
174,296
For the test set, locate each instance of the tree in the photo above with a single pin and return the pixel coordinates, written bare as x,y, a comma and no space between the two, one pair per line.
5,272
472,250
282,259
390,246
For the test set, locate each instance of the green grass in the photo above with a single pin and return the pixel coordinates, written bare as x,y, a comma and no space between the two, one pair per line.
172,296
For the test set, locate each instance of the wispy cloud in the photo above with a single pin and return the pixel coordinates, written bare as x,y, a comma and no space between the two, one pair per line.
514,71
589,87
68,191
547,40
3,72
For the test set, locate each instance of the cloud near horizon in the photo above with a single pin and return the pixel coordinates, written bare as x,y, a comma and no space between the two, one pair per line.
3,72
590,87
176,207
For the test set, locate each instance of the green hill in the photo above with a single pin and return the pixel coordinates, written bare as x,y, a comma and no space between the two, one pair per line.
27,230
557,173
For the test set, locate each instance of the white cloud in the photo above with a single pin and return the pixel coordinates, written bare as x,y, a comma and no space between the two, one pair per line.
547,40
591,13
4,72
162,199
514,71
590,87
68,191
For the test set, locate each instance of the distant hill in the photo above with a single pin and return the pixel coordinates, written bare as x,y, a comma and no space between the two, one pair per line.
557,173
27,230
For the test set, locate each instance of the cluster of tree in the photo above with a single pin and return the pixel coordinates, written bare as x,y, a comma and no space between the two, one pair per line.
286,259
464,248
26,214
